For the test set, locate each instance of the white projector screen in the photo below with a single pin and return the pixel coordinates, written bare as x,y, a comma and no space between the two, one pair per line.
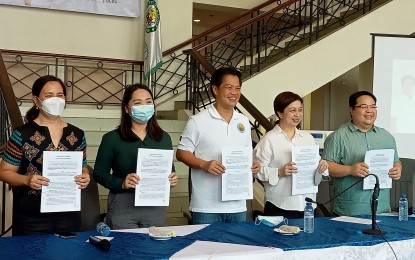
394,87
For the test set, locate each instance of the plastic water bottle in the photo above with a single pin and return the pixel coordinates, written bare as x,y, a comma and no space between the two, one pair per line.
103,229
308,218
403,208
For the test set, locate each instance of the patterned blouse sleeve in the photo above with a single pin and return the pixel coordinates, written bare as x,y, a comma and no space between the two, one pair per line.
13,153
82,148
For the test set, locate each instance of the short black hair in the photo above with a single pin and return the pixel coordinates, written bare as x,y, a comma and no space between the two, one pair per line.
353,97
219,74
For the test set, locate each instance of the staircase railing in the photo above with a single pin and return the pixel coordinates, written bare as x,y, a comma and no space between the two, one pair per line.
252,42
223,27
171,78
258,40
10,119
89,80
281,31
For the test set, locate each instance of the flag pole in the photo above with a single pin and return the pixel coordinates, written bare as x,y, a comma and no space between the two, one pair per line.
153,55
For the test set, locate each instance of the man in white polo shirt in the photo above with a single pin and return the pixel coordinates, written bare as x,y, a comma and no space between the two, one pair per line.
201,144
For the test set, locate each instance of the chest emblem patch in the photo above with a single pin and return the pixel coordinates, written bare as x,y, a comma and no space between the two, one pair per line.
241,127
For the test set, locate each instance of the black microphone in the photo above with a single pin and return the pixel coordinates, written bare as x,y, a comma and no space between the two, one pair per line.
102,244
374,207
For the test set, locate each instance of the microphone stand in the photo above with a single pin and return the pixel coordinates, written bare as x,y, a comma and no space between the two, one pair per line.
374,206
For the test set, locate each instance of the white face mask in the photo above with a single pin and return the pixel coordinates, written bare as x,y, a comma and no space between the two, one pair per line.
53,106
270,220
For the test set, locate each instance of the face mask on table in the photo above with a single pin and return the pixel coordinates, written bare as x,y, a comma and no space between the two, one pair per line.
269,220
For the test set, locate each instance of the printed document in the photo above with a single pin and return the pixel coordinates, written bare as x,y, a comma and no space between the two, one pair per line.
62,193
306,160
237,179
379,162
153,167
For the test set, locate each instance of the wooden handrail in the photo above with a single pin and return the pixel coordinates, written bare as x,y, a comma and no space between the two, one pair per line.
244,24
72,57
218,27
2,148
245,103
9,97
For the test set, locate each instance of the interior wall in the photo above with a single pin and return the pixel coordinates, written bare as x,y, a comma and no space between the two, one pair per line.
366,75
330,103
317,110
53,31
339,105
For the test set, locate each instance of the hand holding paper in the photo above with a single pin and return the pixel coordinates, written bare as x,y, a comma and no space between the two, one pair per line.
131,181
36,181
83,179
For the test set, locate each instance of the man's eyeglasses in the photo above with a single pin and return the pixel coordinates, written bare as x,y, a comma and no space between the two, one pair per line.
367,107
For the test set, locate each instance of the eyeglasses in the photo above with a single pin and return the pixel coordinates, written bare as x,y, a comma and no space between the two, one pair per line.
367,107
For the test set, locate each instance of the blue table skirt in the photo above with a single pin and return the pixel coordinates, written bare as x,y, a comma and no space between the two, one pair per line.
327,233
123,246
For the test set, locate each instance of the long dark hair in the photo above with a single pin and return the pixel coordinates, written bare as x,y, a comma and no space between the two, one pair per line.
283,100
153,128
37,87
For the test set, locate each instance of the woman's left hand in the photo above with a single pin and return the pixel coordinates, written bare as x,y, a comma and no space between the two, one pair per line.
255,167
83,179
173,179
322,166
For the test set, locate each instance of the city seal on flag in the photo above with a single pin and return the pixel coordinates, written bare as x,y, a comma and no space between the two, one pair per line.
152,16
153,54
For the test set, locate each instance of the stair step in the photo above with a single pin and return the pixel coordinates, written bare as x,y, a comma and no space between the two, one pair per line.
168,114
178,105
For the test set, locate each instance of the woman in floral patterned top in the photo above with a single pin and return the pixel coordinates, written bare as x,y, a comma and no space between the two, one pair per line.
22,162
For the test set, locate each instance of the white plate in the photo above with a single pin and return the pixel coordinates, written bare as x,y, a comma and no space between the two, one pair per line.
159,237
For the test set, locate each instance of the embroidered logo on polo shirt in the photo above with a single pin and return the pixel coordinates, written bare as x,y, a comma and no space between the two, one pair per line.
241,127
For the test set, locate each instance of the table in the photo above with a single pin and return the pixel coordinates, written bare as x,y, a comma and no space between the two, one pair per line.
331,240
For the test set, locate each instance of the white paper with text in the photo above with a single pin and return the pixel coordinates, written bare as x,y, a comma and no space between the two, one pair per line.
306,160
379,162
153,167
237,179
62,194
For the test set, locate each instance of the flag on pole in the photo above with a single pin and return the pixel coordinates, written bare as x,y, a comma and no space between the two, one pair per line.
152,46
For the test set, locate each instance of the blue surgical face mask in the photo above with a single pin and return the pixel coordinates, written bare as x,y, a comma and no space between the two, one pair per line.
142,113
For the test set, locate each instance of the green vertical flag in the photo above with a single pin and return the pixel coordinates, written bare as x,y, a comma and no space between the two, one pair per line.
152,46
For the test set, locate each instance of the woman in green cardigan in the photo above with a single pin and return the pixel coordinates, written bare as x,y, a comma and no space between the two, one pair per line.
118,153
